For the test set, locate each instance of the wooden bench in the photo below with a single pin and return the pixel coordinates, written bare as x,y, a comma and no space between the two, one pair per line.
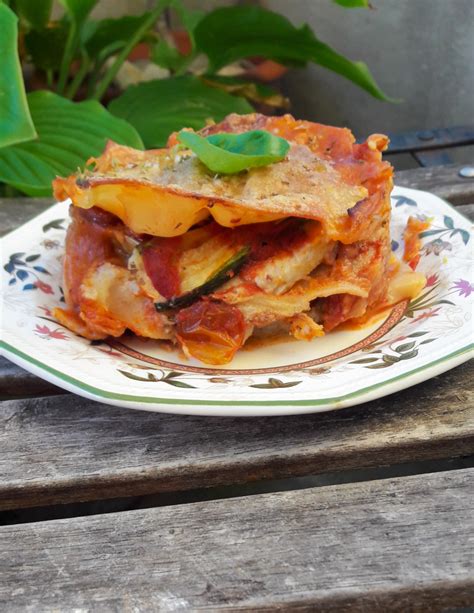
379,519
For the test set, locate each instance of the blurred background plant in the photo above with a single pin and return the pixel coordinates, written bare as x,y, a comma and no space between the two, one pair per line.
68,84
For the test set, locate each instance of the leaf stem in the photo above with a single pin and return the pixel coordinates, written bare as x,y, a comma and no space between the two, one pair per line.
122,56
68,56
79,78
49,78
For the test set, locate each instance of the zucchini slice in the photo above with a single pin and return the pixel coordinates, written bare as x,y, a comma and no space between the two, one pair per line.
228,270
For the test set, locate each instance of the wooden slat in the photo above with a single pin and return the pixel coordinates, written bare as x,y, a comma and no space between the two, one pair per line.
18,383
420,140
16,211
65,448
444,181
401,544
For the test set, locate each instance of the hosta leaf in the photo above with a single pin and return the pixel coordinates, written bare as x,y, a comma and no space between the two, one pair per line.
45,47
16,125
35,12
255,92
253,31
100,37
68,134
160,107
167,56
78,10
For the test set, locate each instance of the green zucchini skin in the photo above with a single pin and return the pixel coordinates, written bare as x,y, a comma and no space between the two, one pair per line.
228,270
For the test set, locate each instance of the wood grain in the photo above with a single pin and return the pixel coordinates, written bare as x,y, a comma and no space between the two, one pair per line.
66,448
400,544
14,212
444,181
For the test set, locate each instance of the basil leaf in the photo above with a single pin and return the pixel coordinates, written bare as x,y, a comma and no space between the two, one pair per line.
226,153
253,31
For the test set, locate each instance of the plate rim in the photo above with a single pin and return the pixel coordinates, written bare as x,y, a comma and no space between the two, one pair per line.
235,407
365,394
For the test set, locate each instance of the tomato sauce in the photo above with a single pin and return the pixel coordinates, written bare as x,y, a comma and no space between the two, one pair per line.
160,260
211,331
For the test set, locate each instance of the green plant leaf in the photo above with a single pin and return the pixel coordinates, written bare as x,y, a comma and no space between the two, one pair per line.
255,92
35,12
16,125
46,46
233,33
78,10
227,153
167,56
189,19
159,107
106,36
68,134
353,4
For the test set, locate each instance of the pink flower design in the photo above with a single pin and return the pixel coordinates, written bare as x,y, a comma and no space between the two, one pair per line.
427,315
46,311
47,333
44,287
464,288
432,280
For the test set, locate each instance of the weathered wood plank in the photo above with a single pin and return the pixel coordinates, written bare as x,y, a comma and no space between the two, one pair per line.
18,383
16,211
401,544
444,181
65,448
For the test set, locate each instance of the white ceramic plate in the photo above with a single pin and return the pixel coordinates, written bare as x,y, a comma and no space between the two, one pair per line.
415,342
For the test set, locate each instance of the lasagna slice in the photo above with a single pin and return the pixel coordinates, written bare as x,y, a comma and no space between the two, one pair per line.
163,247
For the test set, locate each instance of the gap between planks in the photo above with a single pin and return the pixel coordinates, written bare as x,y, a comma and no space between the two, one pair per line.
395,545
65,448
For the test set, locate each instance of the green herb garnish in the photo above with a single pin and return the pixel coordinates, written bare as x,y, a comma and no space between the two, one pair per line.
226,153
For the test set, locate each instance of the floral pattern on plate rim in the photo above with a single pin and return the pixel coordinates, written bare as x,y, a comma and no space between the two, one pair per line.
442,309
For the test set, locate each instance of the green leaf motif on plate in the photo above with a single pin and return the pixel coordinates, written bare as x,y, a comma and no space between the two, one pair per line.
275,384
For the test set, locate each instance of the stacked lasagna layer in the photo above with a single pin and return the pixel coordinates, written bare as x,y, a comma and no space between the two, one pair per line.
162,247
